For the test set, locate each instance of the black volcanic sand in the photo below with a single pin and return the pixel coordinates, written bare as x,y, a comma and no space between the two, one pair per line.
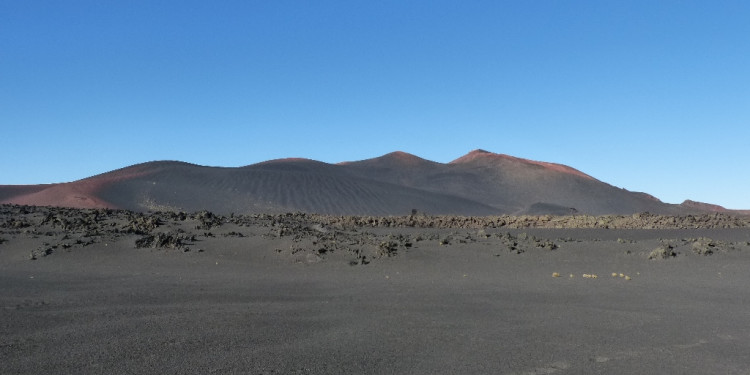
104,291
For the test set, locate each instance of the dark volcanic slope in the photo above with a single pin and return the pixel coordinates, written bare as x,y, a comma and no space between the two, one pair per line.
278,186
479,183
512,185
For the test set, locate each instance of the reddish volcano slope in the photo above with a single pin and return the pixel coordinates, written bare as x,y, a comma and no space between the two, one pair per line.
479,183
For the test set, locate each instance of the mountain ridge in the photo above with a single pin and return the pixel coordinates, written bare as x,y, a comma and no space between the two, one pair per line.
478,183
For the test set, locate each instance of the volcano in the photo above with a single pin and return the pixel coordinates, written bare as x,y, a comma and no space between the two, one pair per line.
477,184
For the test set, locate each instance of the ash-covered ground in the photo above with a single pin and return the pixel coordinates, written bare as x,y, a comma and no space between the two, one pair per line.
111,291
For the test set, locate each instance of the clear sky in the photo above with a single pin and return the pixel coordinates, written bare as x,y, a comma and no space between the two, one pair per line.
648,95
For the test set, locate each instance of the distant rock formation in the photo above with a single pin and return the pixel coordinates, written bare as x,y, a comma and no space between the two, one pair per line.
703,206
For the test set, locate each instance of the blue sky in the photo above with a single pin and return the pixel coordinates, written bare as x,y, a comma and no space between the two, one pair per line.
650,95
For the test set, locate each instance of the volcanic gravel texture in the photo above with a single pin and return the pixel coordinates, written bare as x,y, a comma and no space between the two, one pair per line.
115,291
